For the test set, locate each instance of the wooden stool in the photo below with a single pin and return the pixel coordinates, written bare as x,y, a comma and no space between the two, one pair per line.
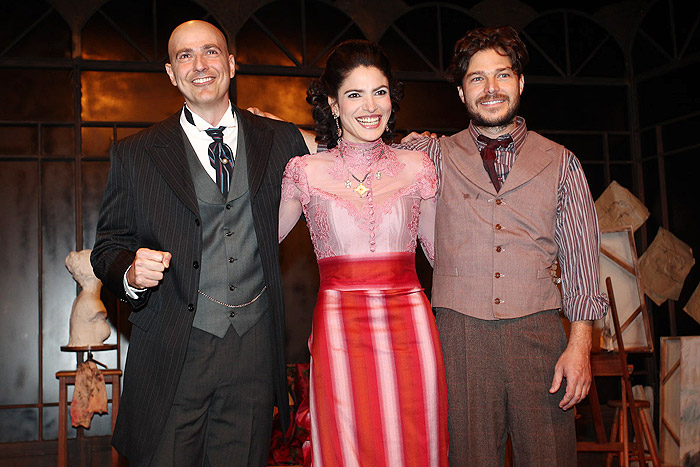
68,377
620,428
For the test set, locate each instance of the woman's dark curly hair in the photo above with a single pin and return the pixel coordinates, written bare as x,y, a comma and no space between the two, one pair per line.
344,58
502,39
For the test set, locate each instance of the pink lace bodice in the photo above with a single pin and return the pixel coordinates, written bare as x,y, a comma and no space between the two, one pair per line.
397,207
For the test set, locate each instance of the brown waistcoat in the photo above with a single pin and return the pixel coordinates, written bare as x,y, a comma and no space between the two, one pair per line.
493,250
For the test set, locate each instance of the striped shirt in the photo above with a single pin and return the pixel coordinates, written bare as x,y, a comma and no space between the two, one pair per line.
579,245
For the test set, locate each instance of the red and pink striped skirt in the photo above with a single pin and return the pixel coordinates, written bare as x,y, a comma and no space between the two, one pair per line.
378,394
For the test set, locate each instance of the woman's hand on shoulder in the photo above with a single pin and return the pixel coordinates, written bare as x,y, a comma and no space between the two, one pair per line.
261,113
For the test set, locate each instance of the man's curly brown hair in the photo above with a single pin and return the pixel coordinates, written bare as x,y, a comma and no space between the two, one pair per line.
502,39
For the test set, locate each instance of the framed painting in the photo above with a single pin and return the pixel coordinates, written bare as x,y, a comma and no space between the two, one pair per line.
618,260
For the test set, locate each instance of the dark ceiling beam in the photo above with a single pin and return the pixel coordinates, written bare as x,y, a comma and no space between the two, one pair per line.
272,70
667,68
84,65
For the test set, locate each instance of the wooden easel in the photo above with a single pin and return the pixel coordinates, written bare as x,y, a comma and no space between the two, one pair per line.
615,364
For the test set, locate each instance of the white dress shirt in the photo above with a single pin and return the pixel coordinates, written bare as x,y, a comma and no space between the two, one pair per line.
200,140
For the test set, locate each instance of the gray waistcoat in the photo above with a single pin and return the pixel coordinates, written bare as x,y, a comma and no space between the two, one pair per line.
231,271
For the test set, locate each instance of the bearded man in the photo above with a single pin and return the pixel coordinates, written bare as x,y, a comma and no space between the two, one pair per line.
510,203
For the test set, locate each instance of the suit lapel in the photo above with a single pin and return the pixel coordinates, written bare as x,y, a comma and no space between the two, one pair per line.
169,156
258,142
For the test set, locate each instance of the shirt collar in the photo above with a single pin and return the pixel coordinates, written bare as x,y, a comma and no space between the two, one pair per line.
228,120
518,134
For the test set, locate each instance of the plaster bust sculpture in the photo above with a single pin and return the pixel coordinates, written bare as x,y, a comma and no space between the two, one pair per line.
88,317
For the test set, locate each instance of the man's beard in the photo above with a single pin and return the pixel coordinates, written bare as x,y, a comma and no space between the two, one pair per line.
481,121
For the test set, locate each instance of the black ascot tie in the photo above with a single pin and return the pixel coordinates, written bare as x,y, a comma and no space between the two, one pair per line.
488,156
221,158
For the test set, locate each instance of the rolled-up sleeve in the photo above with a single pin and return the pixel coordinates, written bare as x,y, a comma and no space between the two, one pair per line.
578,237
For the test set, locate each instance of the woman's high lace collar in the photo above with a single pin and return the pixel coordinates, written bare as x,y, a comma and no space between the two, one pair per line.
361,158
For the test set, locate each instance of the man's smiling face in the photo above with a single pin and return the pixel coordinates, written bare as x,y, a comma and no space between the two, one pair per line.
200,66
491,91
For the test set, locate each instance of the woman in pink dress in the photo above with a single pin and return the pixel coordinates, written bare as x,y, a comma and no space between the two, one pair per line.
378,395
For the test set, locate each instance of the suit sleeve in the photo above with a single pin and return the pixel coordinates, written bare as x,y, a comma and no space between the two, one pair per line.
116,240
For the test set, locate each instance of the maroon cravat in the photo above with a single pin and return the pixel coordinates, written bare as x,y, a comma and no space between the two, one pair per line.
488,156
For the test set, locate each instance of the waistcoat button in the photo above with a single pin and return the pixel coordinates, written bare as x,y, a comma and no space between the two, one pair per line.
498,301
499,249
232,314
498,227
195,264
190,307
497,275
499,201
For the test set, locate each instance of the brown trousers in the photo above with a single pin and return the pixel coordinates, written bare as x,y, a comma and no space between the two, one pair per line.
498,379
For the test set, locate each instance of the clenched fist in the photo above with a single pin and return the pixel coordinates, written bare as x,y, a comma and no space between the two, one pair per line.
147,268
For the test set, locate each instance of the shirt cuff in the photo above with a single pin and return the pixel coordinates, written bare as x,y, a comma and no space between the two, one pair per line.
131,292
585,307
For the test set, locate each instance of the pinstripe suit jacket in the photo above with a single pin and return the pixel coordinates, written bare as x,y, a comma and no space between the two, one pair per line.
150,202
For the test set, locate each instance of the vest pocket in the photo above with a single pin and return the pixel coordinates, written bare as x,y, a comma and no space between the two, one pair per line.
446,271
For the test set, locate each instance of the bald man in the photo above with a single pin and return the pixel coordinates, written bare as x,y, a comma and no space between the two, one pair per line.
187,234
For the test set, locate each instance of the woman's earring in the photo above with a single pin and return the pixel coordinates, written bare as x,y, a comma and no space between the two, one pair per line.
339,131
